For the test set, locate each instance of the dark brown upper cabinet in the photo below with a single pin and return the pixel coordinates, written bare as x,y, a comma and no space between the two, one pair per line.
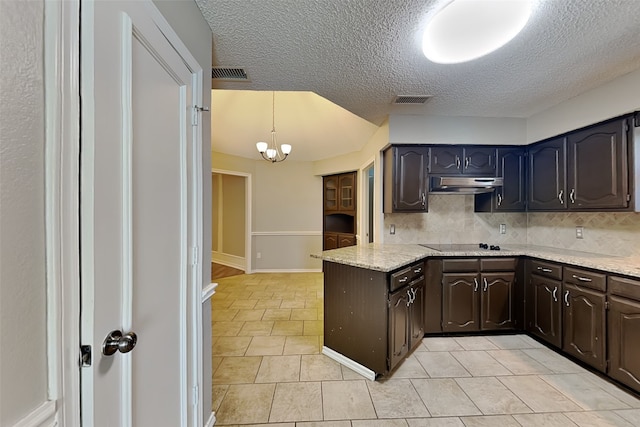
340,192
469,160
512,196
546,166
587,169
598,174
405,179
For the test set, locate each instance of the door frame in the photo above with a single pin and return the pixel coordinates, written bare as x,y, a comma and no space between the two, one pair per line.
62,196
247,214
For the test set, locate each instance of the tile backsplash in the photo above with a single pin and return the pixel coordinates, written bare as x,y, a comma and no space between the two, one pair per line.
451,220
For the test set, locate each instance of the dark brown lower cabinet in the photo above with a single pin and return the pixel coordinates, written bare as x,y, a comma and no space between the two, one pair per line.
497,305
478,301
623,319
460,302
338,240
398,321
584,325
544,309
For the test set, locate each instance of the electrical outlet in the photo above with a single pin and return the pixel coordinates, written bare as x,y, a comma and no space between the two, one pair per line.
392,229
259,255
579,232
503,228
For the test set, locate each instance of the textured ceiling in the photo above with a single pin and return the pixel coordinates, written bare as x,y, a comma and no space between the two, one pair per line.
360,54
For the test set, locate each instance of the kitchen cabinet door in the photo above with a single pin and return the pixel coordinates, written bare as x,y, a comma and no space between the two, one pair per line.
545,309
598,167
330,241
345,240
446,159
347,191
512,196
406,185
398,321
331,184
479,161
584,325
624,341
416,312
460,306
547,182
497,304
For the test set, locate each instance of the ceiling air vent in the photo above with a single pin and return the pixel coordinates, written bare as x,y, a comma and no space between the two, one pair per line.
411,99
229,74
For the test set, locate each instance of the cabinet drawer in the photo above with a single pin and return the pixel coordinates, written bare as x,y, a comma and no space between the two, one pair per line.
585,278
498,264
546,269
624,287
406,276
460,265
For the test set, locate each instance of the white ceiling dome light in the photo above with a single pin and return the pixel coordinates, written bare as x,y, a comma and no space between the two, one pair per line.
468,29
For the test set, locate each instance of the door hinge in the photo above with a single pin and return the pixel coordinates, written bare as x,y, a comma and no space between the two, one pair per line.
194,256
628,197
606,305
85,356
195,396
196,114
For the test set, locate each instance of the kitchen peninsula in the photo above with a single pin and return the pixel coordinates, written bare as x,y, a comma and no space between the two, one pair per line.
381,298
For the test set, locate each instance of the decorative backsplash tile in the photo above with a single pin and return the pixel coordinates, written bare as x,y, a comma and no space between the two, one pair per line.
451,220
608,233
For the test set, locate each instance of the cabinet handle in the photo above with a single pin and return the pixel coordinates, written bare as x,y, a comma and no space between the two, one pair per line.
457,162
566,298
475,289
560,194
545,270
582,279
486,285
467,161
404,279
555,294
413,291
572,195
499,199
418,270
424,200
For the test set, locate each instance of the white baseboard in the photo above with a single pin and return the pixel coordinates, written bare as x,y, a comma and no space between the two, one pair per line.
43,416
229,260
354,366
211,421
282,270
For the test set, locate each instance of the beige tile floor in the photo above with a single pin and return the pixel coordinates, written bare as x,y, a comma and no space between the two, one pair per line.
268,370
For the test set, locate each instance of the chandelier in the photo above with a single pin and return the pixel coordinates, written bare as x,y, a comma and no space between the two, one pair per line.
271,152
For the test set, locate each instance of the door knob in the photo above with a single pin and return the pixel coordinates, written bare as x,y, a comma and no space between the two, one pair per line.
115,341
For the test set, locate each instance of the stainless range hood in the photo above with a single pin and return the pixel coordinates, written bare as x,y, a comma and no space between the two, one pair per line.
463,184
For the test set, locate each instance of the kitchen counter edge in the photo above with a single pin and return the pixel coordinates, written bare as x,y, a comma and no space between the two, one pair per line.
390,257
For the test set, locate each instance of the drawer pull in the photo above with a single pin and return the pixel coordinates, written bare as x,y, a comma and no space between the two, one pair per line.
545,270
404,279
418,270
582,279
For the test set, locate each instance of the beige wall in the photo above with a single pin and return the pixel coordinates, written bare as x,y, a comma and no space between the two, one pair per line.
23,352
233,215
216,217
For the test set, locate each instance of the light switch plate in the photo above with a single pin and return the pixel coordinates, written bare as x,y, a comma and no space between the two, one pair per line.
392,229
503,228
579,232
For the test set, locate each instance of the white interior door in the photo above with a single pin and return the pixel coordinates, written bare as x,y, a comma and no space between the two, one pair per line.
138,233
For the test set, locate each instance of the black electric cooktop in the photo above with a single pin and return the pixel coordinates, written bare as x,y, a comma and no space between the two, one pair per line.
462,247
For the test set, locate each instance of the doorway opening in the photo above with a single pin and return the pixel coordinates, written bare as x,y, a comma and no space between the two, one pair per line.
367,203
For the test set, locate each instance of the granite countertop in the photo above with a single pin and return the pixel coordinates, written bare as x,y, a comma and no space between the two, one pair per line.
389,257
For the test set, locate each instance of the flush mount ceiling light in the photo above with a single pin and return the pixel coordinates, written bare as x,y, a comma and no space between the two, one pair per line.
468,29
270,152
